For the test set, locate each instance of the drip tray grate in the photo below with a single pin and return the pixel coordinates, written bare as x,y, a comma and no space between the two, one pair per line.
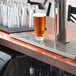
66,50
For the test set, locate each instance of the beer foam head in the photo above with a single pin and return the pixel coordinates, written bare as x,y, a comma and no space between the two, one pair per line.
39,14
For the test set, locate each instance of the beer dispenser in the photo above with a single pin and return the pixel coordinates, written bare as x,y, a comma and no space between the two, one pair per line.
60,31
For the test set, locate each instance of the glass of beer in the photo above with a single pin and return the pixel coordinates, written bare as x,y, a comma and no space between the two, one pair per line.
39,25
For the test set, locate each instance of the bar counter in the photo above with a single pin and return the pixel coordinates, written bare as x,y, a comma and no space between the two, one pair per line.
51,58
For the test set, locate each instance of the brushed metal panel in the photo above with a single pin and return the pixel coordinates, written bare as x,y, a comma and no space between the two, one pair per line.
66,50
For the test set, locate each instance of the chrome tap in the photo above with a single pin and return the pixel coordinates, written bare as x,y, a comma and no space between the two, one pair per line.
60,30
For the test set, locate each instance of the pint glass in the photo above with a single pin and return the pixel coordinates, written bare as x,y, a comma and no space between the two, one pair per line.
39,25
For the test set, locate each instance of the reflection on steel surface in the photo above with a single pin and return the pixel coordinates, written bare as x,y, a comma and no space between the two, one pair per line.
67,50
60,30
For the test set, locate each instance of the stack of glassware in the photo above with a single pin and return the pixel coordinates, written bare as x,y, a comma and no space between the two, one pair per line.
17,14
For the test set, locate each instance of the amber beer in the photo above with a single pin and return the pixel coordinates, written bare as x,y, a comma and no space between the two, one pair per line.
39,25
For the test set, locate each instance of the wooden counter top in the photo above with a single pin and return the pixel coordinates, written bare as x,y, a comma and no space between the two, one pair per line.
61,62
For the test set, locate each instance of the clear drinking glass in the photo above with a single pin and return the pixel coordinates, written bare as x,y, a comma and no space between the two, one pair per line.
39,25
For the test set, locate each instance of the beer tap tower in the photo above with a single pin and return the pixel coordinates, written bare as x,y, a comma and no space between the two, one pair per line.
60,30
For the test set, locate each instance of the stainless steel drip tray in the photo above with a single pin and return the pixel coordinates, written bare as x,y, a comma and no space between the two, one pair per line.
67,50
